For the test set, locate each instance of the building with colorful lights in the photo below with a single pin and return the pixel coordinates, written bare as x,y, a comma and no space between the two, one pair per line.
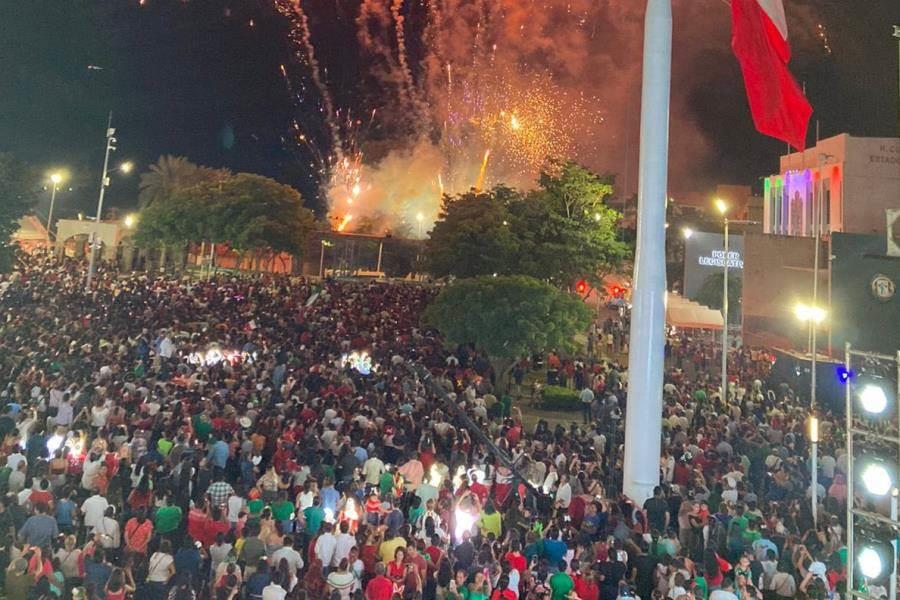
860,179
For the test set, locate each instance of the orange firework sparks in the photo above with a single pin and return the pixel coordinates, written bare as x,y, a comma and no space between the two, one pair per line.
480,183
344,222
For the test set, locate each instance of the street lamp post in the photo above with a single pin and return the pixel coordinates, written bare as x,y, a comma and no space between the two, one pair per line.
104,181
722,207
812,316
55,178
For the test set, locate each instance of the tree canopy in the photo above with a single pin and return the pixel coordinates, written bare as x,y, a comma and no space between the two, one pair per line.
508,317
18,188
173,174
710,294
472,236
248,212
559,232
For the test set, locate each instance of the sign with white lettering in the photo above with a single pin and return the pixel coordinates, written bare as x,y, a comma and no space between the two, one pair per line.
704,255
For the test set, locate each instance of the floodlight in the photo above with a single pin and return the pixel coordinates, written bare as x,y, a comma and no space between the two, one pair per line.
875,395
876,478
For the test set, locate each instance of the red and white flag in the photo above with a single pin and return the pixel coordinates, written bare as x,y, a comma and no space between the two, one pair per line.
759,39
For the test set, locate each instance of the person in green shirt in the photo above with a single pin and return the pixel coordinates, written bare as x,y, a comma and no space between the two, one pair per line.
490,521
164,446
283,510
416,510
385,484
168,518
701,587
255,507
561,583
314,516
202,427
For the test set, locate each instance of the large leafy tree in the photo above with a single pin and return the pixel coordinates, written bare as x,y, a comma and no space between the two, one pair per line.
18,187
472,236
171,175
249,212
559,232
710,294
507,317
566,230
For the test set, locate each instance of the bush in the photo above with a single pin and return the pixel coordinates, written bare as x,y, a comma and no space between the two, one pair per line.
559,398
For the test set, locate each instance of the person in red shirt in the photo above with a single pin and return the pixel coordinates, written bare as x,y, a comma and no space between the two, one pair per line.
515,558
380,588
479,489
138,531
42,495
213,526
586,586
196,521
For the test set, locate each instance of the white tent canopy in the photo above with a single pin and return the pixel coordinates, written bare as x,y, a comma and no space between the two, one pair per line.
686,314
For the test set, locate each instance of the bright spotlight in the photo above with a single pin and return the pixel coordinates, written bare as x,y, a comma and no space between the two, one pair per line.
870,563
873,399
687,232
876,479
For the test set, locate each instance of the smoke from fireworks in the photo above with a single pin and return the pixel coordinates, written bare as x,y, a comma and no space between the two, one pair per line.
520,82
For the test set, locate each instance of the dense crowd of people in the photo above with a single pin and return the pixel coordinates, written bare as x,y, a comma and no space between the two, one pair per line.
265,438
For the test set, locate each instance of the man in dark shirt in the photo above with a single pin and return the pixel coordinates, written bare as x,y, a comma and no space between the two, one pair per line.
97,570
657,510
643,567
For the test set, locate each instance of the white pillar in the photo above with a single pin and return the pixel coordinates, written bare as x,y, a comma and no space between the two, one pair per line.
643,426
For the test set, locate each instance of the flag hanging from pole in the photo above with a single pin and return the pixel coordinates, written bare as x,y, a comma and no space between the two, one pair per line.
759,40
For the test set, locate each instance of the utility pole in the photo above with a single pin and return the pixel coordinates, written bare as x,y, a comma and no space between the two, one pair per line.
104,182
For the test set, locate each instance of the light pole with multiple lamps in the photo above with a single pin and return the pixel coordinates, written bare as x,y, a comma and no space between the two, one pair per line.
104,182
55,179
873,477
723,207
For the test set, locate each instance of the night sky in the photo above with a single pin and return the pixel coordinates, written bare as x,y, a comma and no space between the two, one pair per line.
197,79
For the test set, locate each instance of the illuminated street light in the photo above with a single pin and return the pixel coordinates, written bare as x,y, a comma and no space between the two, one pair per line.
873,399
721,206
811,314
126,167
130,221
687,232
55,178
877,479
870,563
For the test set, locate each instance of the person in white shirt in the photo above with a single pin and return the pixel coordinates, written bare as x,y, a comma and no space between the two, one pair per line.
274,591
89,472
344,542
289,553
65,413
13,460
326,545
93,509
108,528
235,504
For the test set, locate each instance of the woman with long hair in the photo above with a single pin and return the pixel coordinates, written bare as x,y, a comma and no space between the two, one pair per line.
118,585
314,582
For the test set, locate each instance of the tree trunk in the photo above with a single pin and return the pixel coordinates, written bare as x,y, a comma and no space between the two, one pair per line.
162,258
502,368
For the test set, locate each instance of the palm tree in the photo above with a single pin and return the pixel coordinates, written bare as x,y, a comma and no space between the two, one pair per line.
172,174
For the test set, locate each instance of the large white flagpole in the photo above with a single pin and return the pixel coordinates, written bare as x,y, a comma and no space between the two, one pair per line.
643,425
